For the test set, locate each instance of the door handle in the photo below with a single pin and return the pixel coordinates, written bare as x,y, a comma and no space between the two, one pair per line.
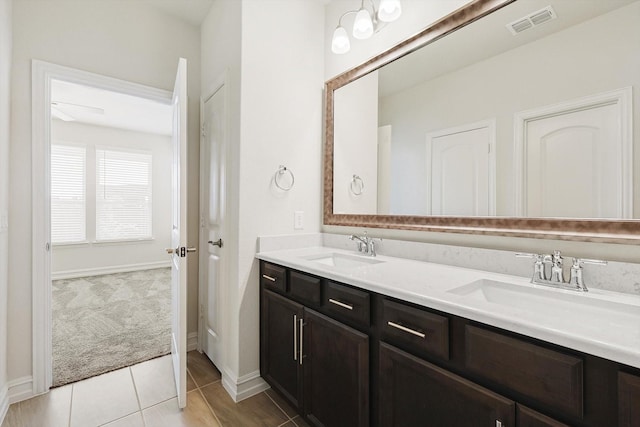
180,251
217,243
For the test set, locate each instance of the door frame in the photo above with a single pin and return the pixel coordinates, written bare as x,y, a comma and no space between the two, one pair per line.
42,73
219,83
622,98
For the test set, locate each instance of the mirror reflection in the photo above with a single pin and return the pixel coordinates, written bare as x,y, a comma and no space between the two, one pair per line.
526,112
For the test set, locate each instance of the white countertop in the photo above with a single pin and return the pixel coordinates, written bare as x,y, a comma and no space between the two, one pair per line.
429,285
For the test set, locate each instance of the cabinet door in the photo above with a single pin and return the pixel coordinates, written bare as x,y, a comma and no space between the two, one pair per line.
416,393
628,400
279,346
336,373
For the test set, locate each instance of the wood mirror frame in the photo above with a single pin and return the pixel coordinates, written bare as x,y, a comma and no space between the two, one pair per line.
591,230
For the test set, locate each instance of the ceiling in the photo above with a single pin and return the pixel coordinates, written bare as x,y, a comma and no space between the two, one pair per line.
192,11
85,104
484,39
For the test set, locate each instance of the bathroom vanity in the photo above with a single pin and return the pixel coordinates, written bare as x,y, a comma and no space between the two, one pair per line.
351,340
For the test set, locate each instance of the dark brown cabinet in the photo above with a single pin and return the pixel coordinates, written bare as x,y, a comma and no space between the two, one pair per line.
336,373
347,357
279,353
320,365
414,392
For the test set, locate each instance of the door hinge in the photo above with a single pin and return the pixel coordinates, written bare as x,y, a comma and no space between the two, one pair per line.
203,130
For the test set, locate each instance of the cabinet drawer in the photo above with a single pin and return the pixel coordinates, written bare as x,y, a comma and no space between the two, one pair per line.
414,392
548,376
529,418
628,400
417,329
305,287
348,303
273,277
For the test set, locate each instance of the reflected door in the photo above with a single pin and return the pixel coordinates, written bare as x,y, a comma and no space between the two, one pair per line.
212,216
461,170
572,164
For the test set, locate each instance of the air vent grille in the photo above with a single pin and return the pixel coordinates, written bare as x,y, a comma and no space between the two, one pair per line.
532,20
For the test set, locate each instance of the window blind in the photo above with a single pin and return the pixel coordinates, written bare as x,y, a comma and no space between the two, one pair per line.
123,194
68,196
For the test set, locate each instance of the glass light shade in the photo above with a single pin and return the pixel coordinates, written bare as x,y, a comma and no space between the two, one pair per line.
389,10
363,26
340,42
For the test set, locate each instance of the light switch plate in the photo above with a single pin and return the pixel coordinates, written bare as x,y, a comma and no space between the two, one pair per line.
298,220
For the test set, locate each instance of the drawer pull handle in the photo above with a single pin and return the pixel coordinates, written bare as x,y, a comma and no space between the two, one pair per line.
295,337
273,279
405,329
340,304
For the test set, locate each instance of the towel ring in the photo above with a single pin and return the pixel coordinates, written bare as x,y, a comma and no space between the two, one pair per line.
282,170
356,185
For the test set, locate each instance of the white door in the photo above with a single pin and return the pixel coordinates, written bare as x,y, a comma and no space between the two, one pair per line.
212,215
573,163
461,170
179,235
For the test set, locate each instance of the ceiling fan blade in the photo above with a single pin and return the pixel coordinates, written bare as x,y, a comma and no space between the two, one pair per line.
55,112
69,107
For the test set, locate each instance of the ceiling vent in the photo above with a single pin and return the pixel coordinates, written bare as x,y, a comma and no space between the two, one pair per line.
532,20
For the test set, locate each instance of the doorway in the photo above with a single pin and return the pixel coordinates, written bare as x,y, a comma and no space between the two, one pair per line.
110,222
44,76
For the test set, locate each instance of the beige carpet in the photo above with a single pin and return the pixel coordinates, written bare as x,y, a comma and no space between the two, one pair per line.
102,323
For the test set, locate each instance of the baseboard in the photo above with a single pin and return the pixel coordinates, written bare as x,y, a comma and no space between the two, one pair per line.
20,389
240,388
86,272
4,402
192,341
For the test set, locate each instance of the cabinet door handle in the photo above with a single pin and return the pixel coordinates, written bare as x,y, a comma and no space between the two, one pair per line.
301,338
295,337
405,329
273,279
340,304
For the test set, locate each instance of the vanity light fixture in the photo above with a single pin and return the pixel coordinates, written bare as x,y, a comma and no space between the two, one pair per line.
365,24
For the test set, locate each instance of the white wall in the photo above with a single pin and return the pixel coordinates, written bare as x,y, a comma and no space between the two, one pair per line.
355,146
419,110
92,257
5,82
417,15
132,41
275,74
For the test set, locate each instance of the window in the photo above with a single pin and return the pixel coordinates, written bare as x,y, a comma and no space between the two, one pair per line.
123,194
68,224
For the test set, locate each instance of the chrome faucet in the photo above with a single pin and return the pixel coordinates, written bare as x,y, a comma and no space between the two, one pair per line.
556,279
366,244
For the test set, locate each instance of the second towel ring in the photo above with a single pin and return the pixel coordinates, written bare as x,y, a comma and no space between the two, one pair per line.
356,185
282,170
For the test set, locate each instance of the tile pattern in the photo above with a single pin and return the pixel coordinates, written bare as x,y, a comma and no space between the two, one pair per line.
144,395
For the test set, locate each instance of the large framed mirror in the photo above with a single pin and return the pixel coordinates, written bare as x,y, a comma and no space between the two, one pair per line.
507,117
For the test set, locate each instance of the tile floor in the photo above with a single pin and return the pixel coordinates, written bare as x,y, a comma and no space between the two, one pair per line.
144,395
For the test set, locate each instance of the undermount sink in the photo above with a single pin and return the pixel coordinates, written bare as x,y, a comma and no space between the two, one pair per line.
342,260
563,306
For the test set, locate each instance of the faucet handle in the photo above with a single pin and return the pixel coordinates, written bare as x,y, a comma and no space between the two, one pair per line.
576,271
577,262
539,273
